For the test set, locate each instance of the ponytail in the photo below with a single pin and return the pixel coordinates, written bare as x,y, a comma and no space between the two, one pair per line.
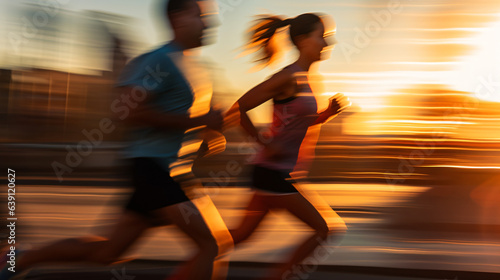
264,29
262,34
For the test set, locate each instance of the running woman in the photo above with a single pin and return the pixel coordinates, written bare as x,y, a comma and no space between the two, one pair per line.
166,101
295,113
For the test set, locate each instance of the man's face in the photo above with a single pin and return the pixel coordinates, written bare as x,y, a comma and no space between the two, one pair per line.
194,21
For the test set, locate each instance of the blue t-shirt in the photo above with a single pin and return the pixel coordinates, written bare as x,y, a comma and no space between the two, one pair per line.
157,73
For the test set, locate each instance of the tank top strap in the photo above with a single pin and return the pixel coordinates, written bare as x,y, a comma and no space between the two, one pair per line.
301,78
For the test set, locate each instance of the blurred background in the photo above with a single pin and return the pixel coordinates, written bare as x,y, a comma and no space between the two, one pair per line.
412,166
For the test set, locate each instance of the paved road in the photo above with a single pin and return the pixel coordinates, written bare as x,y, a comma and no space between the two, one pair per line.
48,213
154,270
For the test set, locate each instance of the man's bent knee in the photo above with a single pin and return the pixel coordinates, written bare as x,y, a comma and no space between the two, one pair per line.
225,243
336,231
210,247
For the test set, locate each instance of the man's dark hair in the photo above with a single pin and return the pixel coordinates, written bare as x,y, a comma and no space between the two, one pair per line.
174,6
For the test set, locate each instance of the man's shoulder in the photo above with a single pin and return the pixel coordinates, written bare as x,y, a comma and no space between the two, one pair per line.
156,62
157,55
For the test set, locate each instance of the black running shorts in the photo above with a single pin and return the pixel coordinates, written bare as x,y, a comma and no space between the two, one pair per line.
153,187
270,180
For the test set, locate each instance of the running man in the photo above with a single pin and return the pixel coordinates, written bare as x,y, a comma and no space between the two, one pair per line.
168,100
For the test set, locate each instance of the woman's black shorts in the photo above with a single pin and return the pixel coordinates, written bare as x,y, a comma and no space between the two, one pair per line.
270,180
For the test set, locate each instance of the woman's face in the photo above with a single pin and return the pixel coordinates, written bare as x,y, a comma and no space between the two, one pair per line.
315,45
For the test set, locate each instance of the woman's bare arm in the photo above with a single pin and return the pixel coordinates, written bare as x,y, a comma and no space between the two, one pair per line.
259,95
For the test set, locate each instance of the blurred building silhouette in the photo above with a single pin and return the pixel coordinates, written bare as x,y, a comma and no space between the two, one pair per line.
62,75
5,79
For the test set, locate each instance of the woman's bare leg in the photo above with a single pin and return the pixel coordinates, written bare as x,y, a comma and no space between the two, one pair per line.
323,232
255,212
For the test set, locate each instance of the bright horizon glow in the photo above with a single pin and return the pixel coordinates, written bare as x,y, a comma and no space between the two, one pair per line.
454,49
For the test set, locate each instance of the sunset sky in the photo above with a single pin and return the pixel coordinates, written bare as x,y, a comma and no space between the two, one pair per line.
383,46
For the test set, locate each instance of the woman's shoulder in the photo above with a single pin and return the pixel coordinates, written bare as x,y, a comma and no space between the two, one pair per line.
286,74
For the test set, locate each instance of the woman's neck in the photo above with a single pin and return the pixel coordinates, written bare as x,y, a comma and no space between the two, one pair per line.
304,63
